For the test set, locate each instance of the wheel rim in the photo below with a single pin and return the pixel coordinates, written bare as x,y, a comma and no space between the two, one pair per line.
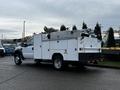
17,59
57,63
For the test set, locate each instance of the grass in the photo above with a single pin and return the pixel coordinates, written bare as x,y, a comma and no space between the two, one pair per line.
110,63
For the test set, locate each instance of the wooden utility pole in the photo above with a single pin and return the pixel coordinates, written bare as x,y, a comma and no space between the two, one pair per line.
23,33
2,37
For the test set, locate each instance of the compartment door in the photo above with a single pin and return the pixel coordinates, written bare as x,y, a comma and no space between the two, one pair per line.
38,46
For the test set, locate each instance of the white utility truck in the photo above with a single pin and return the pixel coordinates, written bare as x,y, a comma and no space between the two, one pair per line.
61,48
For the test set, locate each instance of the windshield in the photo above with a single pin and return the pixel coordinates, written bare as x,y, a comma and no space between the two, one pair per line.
9,45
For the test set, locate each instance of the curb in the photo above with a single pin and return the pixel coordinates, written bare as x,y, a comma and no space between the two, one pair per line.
103,66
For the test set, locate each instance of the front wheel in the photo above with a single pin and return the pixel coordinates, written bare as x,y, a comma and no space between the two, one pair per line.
17,59
58,62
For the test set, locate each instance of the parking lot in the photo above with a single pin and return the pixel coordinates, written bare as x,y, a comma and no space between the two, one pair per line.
28,76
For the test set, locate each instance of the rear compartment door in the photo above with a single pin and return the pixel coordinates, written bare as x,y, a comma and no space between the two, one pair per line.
37,46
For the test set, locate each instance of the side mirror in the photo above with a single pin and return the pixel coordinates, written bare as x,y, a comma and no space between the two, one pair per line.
24,45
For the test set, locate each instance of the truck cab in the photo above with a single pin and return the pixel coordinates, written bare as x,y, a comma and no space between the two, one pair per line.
24,51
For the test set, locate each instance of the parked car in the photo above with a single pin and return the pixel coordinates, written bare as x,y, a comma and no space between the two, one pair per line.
9,49
2,51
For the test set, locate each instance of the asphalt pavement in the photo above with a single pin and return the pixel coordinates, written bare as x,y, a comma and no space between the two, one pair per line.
29,76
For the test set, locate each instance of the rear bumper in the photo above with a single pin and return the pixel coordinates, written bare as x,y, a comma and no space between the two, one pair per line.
85,57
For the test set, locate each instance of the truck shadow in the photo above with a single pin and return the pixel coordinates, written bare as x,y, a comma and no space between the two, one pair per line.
49,67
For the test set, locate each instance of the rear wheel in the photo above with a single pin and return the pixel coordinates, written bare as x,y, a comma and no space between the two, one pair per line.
58,62
17,59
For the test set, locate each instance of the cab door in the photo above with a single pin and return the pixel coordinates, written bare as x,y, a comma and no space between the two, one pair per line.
28,49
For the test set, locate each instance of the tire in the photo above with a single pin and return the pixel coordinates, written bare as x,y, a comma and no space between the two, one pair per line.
58,62
17,59
2,54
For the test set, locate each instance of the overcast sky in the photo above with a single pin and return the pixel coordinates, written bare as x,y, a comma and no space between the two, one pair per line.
53,13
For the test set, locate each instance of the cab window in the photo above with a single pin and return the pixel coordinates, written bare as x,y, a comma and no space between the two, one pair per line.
30,42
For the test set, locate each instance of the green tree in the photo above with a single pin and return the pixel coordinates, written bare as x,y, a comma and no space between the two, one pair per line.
74,28
110,39
84,26
97,31
62,28
46,29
